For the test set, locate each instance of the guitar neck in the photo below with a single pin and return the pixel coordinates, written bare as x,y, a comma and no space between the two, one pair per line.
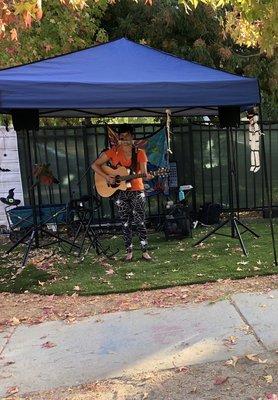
130,177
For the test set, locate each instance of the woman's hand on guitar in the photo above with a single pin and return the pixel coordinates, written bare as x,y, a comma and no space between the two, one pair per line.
110,179
148,177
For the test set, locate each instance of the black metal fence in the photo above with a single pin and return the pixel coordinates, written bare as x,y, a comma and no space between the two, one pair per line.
199,150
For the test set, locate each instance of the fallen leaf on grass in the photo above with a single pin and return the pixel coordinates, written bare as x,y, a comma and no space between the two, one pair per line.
12,390
77,288
242,262
105,264
110,272
268,378
48,345
232,361
128,275
219,380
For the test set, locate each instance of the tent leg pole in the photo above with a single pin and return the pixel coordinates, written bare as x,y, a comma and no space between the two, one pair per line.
269,201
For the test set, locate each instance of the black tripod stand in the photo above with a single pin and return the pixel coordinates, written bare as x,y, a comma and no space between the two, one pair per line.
33,235
233,219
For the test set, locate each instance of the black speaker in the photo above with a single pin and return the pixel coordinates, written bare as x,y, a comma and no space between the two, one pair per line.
26,119
229,116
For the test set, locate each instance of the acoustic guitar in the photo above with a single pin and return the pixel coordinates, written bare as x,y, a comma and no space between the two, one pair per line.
122,177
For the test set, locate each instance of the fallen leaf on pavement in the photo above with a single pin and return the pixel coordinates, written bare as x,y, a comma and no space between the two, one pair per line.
12,390
182,369
255,358
9,363
268,378
219,380
48,345
15,321
271,396
230,341
233,361
252,357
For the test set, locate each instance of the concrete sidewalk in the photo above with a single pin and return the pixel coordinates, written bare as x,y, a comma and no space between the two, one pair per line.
125,343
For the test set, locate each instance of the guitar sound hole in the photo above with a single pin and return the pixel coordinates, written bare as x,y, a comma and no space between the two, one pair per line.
117,182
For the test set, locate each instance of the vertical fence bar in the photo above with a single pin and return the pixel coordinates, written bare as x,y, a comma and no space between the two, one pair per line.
67,163
245,166
57,165
220,167
202,165
77,162
44,140
210,161
270,167
268,192
192,167
34,142
87,163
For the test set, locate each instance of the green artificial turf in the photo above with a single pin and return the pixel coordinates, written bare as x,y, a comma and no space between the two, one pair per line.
175,262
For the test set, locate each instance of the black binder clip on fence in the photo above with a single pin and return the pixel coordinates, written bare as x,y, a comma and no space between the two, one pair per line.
85,230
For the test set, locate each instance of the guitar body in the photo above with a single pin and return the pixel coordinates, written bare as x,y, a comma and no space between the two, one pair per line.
103,188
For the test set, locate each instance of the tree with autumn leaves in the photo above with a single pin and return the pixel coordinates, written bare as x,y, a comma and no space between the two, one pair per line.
250,22
236,35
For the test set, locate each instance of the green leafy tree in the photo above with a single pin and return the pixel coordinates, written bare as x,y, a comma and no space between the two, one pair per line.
198,35
61,30
253,23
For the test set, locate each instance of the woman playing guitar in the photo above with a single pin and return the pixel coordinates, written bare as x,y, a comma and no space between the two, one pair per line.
131,202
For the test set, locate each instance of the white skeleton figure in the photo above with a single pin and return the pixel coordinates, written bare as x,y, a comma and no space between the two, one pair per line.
254,142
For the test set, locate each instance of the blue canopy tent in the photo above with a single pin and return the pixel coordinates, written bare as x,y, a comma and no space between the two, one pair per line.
123,78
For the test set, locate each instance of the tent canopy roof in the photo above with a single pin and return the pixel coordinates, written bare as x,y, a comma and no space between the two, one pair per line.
122,78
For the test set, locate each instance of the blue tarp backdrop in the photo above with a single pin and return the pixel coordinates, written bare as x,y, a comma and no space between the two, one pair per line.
156,149
122,78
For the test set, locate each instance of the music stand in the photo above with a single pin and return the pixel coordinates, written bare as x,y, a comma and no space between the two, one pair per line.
233,219
85,217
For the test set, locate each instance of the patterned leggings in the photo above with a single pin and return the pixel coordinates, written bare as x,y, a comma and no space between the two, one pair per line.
131,209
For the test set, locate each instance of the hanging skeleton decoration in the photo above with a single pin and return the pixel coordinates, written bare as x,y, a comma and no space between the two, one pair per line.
168,128
254,141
